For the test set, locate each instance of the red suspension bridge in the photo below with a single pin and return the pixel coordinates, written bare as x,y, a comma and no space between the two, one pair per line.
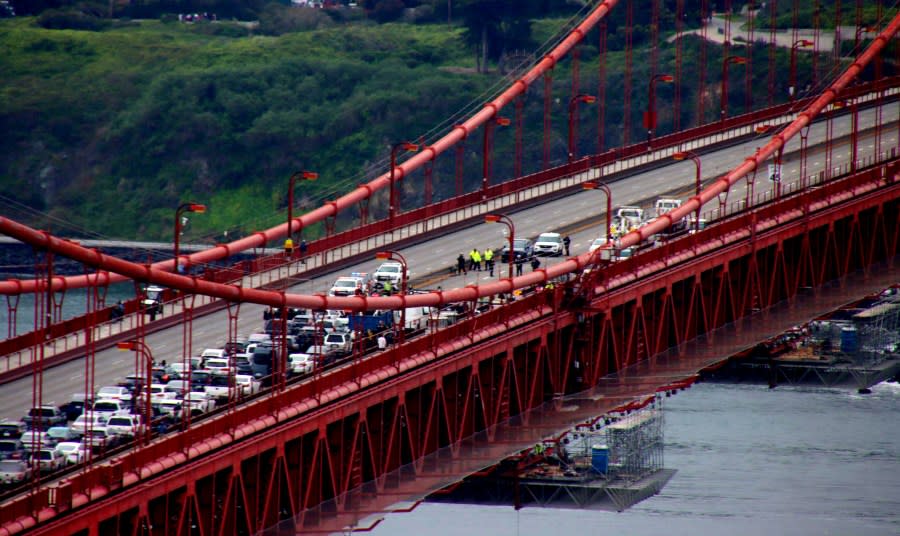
322,453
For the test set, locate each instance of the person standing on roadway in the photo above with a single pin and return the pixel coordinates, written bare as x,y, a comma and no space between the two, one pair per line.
566,242
489,260
461,265
476,260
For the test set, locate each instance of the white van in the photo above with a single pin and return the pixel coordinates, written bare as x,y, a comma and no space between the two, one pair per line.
416,318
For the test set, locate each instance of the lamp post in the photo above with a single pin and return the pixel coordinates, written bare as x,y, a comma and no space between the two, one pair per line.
139,346
302,175
595,185
650,114
573,107
792,90
486,153
723,104
184,207
684,155
505,220
404,275
394,201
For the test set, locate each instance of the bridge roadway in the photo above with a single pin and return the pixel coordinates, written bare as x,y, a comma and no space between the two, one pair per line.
581,215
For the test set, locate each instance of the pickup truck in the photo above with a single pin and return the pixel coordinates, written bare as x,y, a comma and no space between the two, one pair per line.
222,387
47,416
199,403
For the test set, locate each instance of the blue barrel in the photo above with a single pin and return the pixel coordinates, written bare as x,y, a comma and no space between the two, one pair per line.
848,340
600,459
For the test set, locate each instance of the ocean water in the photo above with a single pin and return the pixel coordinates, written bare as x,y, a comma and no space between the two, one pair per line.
750,461
71,304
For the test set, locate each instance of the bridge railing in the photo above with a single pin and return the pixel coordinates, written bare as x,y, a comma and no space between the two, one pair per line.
358,243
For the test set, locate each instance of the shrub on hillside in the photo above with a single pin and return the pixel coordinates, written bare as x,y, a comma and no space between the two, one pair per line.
70,19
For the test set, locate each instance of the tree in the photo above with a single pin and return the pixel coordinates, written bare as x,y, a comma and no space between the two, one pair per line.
495,26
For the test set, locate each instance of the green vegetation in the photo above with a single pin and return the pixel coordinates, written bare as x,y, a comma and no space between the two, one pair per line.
109,124
110,130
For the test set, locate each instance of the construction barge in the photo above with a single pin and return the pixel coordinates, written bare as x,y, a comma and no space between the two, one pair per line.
855,346
609,463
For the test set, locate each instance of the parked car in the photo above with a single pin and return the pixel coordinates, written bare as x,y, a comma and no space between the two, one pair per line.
214,352
301,364
48,460
46,416
85,422
223,387
60,433
74,452
117,392
247,384
339,341
14,472
100,438
33,439
355,283
11,449
389,271
199,403
111,406
523,248
218,365
124,425
75,406
549,244
12,429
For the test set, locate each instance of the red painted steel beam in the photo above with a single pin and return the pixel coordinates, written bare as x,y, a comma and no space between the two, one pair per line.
352,199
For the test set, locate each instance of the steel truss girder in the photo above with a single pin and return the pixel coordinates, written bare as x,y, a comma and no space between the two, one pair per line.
329,450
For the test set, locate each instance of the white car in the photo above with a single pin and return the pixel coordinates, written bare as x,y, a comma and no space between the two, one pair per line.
74,452
222,388
389,271
549,244
124,425
347,286
214,352
14,472
83,423
108,407
247,384
113,391
339,341
301,364
48,460
199,402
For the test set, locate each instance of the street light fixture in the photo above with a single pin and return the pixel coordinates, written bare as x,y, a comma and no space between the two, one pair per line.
486,152
684,155
800,43
650,114
302,175
184,207
395,201
505,220
404,275
723,104
140,346
573,107
596,185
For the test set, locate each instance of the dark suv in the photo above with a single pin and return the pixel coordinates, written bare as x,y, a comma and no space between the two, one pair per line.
523,247
12,429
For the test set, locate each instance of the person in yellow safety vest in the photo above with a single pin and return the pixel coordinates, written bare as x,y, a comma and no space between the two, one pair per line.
476,260
388,287
539,448
489,260
288,247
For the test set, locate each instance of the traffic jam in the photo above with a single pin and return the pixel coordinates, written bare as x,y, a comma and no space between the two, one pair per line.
51,439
